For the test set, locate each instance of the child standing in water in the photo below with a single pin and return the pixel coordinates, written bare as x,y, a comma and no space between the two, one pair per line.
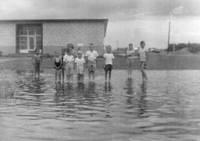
68,60
91,56
142,58
37,62
79,63
130,53
108,62
58,67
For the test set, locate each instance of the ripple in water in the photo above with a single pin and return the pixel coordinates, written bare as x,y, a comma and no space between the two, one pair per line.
166,107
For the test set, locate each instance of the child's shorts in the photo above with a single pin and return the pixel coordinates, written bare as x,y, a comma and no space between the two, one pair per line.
79,76
91,66
69,69
108,67
130,62
80,69
143,65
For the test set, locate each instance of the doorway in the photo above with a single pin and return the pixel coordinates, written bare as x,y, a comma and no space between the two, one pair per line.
29,38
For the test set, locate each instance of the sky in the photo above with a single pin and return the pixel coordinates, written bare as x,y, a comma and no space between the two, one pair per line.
130,21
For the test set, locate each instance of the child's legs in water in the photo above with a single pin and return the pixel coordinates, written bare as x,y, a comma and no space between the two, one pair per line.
130,67
68,72
93,75
91,71
58,75
110,72
106,73
108,69
80,77
37,70
142,68
71,73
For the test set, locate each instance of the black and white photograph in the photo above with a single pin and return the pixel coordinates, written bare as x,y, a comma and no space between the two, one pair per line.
99,70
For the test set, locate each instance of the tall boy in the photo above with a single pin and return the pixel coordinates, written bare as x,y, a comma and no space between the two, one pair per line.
91,56
36,62
143,59
108,62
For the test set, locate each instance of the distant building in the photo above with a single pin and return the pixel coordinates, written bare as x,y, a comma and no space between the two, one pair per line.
120,51
49,35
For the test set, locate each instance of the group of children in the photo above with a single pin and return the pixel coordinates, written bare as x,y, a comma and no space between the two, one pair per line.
133,54
76,61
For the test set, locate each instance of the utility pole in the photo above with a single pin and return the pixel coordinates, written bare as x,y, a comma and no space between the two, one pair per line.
169,32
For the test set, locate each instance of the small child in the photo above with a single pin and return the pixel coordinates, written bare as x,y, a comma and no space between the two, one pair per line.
91,56
58,67
79,63
37,63
68,60
131,55
108,62
143,58
79,49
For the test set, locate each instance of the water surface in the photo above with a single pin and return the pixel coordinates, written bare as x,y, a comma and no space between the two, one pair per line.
166,107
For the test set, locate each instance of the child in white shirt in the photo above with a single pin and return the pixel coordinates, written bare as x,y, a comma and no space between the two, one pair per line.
131,56
68,60
79,63
58,67
142,57
91,56
108,62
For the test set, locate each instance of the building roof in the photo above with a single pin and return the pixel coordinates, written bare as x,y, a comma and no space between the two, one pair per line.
18,21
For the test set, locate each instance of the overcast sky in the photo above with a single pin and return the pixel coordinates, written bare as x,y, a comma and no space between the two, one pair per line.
129,20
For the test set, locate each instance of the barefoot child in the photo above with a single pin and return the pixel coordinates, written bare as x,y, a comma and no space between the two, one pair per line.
91,56
36,63
79,63
68,60
130,59
142,58
58,67
108,62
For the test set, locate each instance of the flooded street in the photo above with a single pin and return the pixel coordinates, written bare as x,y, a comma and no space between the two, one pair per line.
166,107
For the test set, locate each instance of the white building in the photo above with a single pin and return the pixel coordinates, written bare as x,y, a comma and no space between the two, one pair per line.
24,36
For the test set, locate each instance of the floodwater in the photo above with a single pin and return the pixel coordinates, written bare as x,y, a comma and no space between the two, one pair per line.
165,108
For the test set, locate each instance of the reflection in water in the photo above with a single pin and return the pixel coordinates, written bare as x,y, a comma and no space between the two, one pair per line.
59,88
43,110
108,87
130,91
142,99
30,85
136,97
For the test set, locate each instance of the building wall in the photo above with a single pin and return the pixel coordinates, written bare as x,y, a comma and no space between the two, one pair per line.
57,35
8,38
